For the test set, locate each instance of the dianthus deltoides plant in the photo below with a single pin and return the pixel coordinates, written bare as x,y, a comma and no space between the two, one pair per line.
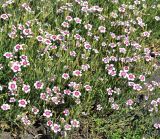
75,65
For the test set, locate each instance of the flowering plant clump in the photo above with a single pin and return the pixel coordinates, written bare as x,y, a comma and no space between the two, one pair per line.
80,65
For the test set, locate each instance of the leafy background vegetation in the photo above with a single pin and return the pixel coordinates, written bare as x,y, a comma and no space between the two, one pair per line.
99,113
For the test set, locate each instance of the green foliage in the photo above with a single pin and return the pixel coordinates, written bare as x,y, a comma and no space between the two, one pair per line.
94,109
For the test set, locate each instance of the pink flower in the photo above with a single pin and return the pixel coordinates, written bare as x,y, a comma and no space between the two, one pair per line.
40,38
126,68
69,18
131,84
123,74
67,92
157,125
56,128
53,47
67,127
12,86
5,107
76,94
26,7
53,37
15,66
56,89
112,35
137,87
112,45
20,27
158,100
87,46
38,85
114,14
85,67
22,103
27,32
146,34
65,24
24,63
154,102
26,88
77,73
106,60
75,123
49,91
8,55
55,100
23,57
112,72
142,78
130,77
18,47
88,26
129,102
109,91
66,112
49,123
115,106
122,9
5,16
28,23
122,50
88,87
102,29
65,76
77,20
47,113
78,37
43,96
126,42
25,120
35,110
72,53
47,41
12,99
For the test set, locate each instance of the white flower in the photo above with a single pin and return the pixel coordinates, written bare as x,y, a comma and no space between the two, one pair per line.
12,86
15,66
75,123
47,113
102,29
65,76
22,103
1,88
26,88
56,128
38,85
5,107
76,94
157,18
